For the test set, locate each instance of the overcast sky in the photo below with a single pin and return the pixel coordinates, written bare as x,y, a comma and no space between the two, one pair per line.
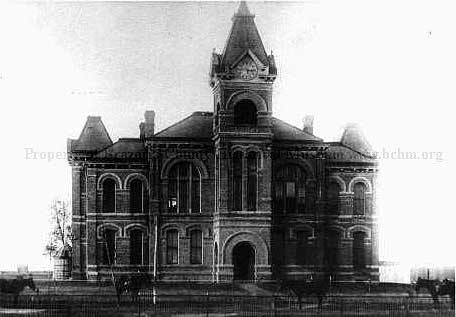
388,65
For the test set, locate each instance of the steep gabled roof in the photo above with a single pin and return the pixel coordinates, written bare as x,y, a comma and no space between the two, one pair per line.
199,126
196,126
287,132
243,36
354,138
338,152
124,148
93,137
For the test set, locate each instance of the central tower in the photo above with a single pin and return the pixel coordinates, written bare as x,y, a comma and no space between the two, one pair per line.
241,78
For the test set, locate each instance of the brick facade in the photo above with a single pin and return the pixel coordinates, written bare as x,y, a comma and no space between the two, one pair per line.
217,176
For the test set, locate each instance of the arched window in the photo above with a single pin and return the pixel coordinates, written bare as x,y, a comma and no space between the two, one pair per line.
289,189
184,188
109,246
359,199
172,247
245,113
332,241
302,248
237,180
136,247
136,196
359,252
196,247
252,181
333,204
109,195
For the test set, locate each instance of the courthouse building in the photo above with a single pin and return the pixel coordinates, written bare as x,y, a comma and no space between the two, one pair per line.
233,194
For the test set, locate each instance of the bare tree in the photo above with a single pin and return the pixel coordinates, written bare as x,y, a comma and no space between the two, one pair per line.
60,235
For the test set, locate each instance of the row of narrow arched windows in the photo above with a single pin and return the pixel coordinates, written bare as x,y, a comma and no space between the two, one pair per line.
359,198
184,188
245,166
290,189
172,247
290,192
332,248
293,194
136,191
303,255
136,243
332,244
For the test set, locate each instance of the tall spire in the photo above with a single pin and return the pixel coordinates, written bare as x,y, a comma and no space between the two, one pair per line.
243,9
243,46
243,36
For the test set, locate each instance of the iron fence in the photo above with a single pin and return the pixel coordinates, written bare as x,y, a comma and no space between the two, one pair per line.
146,304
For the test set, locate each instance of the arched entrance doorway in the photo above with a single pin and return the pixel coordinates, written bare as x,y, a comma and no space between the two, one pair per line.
243,261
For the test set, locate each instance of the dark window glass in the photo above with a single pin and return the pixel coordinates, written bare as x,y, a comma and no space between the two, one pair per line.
359,199
252,180
196,191
332,248
245,113
237,181
289,189
290,194
172,247
196,247
172,192
136,247
109,247
278,246
311,197
302,252
109,195
333,205
136,196
183,194
359,253
279,199
184,188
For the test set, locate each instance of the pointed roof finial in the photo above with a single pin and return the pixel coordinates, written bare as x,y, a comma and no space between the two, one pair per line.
243,9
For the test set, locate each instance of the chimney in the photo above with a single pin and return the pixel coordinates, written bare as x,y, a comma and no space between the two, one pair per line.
141,131
308,124
147,128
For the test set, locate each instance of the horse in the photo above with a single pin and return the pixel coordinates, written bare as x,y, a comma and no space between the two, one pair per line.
132,284
318,287
138,282
432,286
16,286
447,287
120,285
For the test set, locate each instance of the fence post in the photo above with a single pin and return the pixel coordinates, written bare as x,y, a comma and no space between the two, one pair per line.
207,303
139,305
341,307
